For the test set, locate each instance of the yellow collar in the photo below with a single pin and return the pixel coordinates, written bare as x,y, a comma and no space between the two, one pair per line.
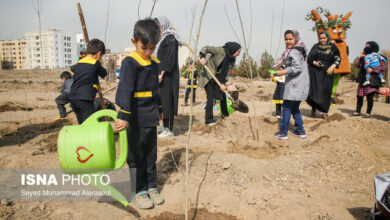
89,60
142,61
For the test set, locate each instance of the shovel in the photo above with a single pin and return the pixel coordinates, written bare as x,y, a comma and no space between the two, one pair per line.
236,103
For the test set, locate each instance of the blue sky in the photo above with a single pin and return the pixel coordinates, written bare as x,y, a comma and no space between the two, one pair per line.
368,20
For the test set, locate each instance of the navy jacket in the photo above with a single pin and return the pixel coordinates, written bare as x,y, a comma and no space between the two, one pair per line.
65,88
86,74
137,93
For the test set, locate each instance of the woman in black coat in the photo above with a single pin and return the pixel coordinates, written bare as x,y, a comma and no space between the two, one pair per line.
323,58
169,76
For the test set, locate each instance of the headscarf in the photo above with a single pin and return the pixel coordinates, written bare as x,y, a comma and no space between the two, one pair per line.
326,47
372,47
230,49
299,45
167,30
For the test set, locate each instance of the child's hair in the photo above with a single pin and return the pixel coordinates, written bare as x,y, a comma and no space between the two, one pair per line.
66,75
289,32
96,45
147,31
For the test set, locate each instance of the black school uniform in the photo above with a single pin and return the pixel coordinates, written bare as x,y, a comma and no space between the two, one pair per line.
138,97
192,85
82,93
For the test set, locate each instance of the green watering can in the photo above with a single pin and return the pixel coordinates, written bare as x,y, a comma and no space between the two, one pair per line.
89,148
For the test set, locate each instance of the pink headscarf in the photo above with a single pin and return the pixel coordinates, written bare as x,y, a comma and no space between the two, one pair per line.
298,43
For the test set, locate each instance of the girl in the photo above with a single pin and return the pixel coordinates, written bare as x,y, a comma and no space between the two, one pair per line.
221,60
297,84
169,76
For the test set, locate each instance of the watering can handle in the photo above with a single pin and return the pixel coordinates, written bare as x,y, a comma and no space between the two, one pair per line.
122,134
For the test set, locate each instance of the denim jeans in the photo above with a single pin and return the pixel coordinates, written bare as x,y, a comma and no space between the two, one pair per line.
291,108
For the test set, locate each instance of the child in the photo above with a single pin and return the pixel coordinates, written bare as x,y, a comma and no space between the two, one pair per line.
372,60
63,99
297,84
220,62
278,94
86,74
191,72
140,112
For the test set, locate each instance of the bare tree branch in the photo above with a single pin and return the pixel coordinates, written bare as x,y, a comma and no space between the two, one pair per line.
151,11
200,25
250,30
139,5
272,31
231,25
250,69
281,27
192,23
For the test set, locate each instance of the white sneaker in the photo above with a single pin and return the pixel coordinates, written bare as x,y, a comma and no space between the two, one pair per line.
366,83
383,80
165,133
211,124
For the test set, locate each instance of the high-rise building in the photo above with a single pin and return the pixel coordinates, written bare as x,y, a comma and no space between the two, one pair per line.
13,54
80,43
56,49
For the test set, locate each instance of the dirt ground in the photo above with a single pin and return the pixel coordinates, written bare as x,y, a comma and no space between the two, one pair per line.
238,170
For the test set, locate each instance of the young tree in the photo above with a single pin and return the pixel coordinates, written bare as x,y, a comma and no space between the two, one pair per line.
354,70
243,67
266,62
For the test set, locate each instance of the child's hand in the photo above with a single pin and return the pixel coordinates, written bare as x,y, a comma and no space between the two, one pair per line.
160,116
369,70
223,88
160,76
121,124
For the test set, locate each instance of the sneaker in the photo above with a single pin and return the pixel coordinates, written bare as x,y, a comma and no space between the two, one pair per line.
280,135
166,133
366,83
160,129
155,196
278,117
142,201
383,80
211,122
300,134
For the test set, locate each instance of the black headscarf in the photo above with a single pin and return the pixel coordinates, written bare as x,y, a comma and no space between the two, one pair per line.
372,47
230,49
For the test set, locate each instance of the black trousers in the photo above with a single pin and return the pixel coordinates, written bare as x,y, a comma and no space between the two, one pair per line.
370,103
61,101
188,91
168,123
279,109
142,155
83,109
212,93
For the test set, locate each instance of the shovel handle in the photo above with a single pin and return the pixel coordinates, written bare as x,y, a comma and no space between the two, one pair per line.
198,58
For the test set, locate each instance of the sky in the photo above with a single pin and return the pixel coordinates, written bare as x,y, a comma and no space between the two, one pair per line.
368,20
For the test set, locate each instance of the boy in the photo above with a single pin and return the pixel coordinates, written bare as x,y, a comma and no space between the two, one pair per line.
372,60
191,70
63,99
138,98
86,74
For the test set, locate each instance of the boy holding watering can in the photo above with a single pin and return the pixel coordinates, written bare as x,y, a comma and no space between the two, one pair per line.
86,74
140,112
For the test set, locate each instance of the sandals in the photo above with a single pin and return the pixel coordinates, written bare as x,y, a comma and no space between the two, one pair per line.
324,116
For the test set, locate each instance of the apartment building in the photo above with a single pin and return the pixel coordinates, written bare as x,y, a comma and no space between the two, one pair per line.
80,43
13,54
56,49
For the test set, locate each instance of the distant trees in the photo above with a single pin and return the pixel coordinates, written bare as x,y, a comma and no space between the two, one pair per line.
266,61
